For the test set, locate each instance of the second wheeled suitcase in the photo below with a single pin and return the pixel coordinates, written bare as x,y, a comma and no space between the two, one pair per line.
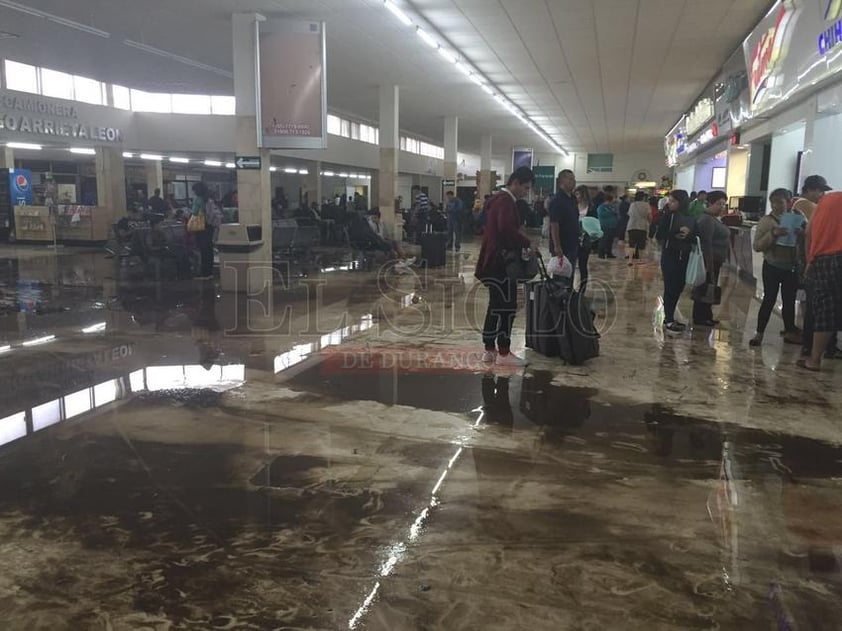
434,249
579,339
543,322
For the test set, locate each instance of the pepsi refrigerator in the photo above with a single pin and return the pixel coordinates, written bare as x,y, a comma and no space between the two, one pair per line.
15,190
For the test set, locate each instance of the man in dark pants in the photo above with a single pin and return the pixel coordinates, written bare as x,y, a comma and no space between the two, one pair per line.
455,214
502,234
564,220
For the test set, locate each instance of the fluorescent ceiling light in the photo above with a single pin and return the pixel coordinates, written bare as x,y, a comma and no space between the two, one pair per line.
23,145
150,156
290,170
328,174
54,18
213,163
343,175
398,13
85,151
180,160
184,60
487,89
126,154
303,172
230,165
464,69
95,328
5,349
8,35
428,39
448,55
273,169
40,340
476,79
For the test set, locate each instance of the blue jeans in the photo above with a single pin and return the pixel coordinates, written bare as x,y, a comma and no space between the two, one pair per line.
454,231
674,270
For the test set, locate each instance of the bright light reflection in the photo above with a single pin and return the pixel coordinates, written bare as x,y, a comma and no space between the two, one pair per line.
46,414
5,349
95,328
12,427
40,340
293,357
77,403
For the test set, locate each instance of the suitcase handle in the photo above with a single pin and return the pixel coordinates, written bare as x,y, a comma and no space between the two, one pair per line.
542,269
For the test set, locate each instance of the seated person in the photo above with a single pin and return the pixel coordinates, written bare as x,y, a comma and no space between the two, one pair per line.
373,218
364,237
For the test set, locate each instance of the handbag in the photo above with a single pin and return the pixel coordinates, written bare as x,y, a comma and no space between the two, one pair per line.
196,223
696,271
520,269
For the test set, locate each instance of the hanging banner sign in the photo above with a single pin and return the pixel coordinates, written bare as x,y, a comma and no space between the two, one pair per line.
292,86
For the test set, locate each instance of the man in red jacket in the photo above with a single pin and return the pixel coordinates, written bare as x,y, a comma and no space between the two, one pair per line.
502,234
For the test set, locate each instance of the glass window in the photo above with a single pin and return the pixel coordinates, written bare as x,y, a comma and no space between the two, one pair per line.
403,143
191,104
21,77
334,125
122,97
56,84
346,129
88,90
223,105
78,403
376,136
355,131
151,102
600,162
12,427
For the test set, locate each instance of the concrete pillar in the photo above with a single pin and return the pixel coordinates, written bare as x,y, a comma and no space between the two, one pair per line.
451,152
389,148
484,183
313,183
154,177
7,158
807,162
254,187
111,181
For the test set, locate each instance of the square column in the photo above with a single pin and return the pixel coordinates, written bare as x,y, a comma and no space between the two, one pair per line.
484,183
451,151
7,158
111,181
313,184
154,177
251,273
389,147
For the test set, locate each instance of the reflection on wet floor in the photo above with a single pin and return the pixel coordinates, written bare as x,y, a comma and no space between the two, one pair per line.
166,464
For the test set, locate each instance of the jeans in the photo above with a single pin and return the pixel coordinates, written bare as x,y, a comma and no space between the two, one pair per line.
776,279
606,243
500,316
703,311
454,231
584,257
204,242
674,270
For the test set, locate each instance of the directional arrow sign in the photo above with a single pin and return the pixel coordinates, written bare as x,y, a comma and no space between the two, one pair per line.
248,162
448,182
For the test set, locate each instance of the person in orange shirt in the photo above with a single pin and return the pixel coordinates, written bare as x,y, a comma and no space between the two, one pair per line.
824,276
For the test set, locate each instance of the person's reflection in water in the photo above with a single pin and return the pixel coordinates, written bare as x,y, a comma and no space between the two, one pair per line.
206,330
495,401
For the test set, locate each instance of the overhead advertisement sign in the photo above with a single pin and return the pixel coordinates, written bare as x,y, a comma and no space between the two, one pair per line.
797,44
292,85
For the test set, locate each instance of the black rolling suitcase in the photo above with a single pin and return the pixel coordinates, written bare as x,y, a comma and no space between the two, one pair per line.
434,249
562,321
579,339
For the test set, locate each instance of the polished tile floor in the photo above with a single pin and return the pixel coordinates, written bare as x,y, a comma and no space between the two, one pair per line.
331,455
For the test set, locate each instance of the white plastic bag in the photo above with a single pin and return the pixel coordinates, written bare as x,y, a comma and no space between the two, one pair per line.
560,266
696,272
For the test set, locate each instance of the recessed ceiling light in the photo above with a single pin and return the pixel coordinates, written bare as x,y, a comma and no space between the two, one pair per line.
84,151
8,35
23,145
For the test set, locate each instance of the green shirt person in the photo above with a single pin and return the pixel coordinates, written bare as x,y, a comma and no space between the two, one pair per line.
698,206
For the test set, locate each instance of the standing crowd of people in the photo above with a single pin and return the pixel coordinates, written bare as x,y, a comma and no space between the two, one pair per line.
800,240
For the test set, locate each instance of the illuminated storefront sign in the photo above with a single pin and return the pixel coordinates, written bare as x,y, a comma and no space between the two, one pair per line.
796,46
31,115
699,115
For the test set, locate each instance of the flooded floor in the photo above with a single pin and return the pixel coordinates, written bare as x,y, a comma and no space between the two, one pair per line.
332,455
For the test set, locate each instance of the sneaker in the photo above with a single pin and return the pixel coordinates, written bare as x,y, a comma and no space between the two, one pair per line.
489,357
510,359
756,341
675,327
